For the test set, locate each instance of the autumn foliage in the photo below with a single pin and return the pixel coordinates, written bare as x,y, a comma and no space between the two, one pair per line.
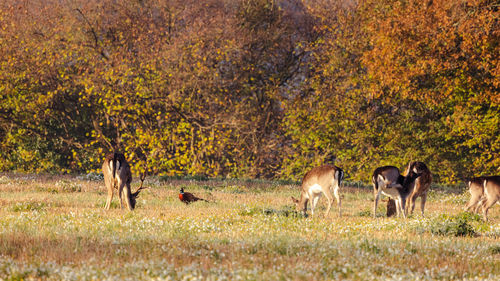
250,88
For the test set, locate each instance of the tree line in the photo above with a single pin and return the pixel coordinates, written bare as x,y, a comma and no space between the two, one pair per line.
250,88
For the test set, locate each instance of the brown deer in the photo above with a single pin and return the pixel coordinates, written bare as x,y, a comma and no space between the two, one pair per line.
391,207
420,186
318,181
486,196
476,190
388,181
491,192
117,175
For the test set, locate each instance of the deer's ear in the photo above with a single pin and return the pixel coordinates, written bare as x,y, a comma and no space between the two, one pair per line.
294,199
381,178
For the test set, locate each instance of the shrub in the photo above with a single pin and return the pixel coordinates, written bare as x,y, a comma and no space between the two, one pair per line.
364,213
495,250
28,206
458,225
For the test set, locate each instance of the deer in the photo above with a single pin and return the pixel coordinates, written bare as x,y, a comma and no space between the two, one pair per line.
491,186
485,192
476,191
388,181
319,181
420,186
117,175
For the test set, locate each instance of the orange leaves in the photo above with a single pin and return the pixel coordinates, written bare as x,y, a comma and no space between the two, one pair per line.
434,48
253,88
411,66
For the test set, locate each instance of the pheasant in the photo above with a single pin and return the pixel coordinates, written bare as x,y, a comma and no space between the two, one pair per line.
187,197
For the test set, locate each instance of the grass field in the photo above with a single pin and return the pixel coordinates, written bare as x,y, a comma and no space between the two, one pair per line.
55,228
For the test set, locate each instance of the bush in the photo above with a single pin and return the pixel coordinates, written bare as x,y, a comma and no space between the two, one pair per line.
458,225
364,213
28,207
495,250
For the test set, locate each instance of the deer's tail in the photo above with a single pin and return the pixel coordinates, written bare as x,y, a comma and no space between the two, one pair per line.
114,164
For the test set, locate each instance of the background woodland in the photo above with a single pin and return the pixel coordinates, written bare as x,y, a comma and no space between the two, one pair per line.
250,88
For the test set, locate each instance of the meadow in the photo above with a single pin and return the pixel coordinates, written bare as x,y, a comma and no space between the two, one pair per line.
55,228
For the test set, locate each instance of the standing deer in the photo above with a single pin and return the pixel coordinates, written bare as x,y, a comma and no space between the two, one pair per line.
388,181
492,193
420,186
318,181
486,196
117,175
476,190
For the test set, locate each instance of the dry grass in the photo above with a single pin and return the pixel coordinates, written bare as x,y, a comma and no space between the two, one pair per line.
56,228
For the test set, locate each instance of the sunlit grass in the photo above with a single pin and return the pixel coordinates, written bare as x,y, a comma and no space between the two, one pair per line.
56,228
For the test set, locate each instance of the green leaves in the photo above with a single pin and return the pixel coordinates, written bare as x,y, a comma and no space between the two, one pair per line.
253,88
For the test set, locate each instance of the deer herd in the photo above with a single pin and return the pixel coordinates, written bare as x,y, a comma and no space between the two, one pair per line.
403,190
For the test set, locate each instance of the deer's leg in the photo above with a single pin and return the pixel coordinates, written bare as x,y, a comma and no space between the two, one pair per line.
127,194
120,193
423,199
375,203
329,197
314,202
109,186
408,199
337,197
398,207
305,207
402,205
487,205
474,202
411,203
478,205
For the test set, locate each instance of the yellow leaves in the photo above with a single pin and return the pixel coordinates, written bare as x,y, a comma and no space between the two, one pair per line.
199,103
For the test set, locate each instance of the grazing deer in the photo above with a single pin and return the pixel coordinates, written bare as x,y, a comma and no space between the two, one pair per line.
187,197
486,196
117,175
387,180
318,181
391,207
476,190
420,186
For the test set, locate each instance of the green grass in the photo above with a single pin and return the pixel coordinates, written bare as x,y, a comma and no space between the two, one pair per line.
55,228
